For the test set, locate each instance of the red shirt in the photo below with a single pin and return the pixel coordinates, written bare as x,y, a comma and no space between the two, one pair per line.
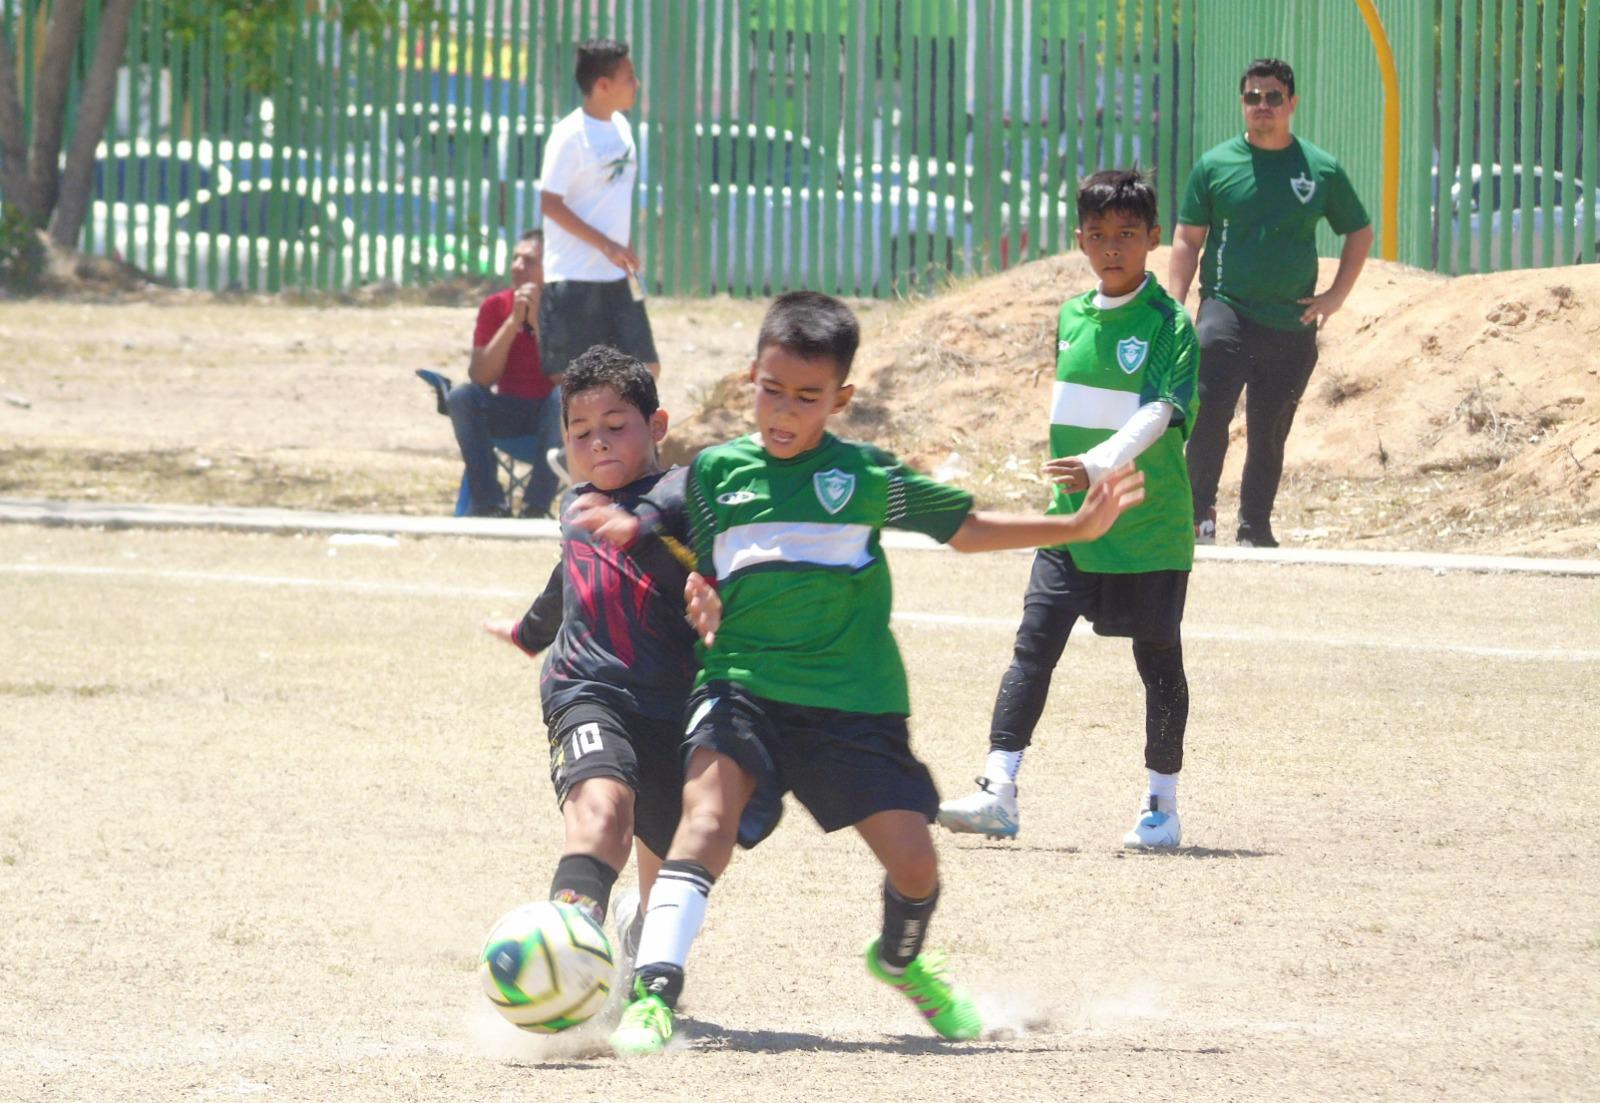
523,376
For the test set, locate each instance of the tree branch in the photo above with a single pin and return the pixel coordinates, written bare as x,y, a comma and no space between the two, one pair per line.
97,98
13,139
50,101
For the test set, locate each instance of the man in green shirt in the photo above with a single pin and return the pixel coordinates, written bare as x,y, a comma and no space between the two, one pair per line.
1253,204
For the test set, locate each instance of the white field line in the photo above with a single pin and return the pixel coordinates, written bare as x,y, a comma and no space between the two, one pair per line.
1007,625
244,519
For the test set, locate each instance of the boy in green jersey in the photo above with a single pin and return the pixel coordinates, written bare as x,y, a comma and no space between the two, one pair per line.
801,686
1125,392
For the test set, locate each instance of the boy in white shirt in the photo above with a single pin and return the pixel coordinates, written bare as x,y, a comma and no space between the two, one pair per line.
590,164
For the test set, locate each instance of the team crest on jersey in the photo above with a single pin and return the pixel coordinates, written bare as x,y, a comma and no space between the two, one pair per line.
1304,187
1131,353
834,488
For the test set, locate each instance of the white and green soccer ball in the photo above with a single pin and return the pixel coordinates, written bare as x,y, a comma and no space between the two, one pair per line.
546,967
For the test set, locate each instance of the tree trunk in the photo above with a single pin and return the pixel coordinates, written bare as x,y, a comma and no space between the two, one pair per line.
50,101
94,109
13,140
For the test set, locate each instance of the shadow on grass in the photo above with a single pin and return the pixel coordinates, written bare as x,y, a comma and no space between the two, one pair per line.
714,1036
1201,852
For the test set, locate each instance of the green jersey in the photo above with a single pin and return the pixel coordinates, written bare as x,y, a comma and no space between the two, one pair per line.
793,545
1262,207
1108,364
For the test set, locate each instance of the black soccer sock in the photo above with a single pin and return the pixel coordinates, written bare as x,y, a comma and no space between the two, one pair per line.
659,978
905,925
1166,705
585,881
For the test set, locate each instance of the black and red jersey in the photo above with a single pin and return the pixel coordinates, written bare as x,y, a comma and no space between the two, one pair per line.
613,619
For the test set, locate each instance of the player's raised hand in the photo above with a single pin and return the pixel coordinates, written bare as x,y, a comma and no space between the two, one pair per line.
704,606
1117,493
597,514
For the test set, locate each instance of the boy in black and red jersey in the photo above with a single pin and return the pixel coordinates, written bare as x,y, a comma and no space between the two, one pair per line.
619,653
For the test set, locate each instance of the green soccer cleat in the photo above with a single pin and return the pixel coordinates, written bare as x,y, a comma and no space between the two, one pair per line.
948,1008
645,1027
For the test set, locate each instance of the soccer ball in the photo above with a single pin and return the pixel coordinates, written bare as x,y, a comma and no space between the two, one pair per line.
546,967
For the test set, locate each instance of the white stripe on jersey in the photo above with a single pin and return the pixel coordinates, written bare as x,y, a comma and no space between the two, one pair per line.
1091,407
791,542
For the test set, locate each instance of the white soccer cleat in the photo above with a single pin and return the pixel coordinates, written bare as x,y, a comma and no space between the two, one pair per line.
1156,829
629,918
991,811
1205,529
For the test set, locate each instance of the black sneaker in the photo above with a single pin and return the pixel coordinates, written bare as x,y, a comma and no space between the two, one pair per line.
1256,538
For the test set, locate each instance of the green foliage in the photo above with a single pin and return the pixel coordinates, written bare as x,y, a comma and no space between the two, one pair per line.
250,27
21,253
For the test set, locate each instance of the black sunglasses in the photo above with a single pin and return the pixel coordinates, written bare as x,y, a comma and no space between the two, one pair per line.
1253,97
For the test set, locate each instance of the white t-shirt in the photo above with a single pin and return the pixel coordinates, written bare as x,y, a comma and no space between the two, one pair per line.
591,164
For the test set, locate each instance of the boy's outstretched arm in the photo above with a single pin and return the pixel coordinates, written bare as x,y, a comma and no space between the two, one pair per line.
1118,492
538,627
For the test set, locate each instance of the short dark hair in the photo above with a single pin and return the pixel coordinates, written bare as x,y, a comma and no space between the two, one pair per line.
531,235
598,57
604,366
813,326
1125,190
1269,67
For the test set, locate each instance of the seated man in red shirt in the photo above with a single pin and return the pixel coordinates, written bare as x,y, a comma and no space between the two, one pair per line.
507,393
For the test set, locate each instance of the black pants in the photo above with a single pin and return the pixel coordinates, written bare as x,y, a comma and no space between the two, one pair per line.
1058,595
1272,368
575,315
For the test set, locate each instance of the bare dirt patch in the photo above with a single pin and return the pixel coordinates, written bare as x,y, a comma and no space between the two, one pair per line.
264,795
1458,415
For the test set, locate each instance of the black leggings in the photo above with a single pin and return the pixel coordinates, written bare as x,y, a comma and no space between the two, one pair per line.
1040,640
1272,368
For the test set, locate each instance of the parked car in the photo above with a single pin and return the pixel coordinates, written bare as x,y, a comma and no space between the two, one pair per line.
155,172
237,231
1505,216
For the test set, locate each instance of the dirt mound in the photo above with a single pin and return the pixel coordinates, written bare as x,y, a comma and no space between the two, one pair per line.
1457,413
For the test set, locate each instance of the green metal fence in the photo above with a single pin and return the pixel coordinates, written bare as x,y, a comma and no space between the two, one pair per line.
857,146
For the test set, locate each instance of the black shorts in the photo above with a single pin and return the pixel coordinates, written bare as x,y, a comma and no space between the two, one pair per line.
589,739
842,766
1147,606
575,315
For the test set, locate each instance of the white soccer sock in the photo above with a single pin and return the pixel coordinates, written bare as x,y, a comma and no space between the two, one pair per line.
1002,766
677,908
1164,787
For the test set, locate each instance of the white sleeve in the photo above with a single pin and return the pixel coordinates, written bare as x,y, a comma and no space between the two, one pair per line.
1143,429
560,161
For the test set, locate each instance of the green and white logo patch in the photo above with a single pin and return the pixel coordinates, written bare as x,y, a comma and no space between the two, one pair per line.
834,488
1131,353
1304,187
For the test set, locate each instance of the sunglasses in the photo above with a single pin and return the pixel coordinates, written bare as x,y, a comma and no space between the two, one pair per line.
1253,97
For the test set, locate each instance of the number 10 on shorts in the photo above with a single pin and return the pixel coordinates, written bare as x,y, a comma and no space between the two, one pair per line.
585,738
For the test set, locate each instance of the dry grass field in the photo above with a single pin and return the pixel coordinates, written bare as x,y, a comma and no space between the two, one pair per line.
263,795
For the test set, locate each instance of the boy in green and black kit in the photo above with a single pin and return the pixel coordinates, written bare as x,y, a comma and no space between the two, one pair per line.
802,688
1125,392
